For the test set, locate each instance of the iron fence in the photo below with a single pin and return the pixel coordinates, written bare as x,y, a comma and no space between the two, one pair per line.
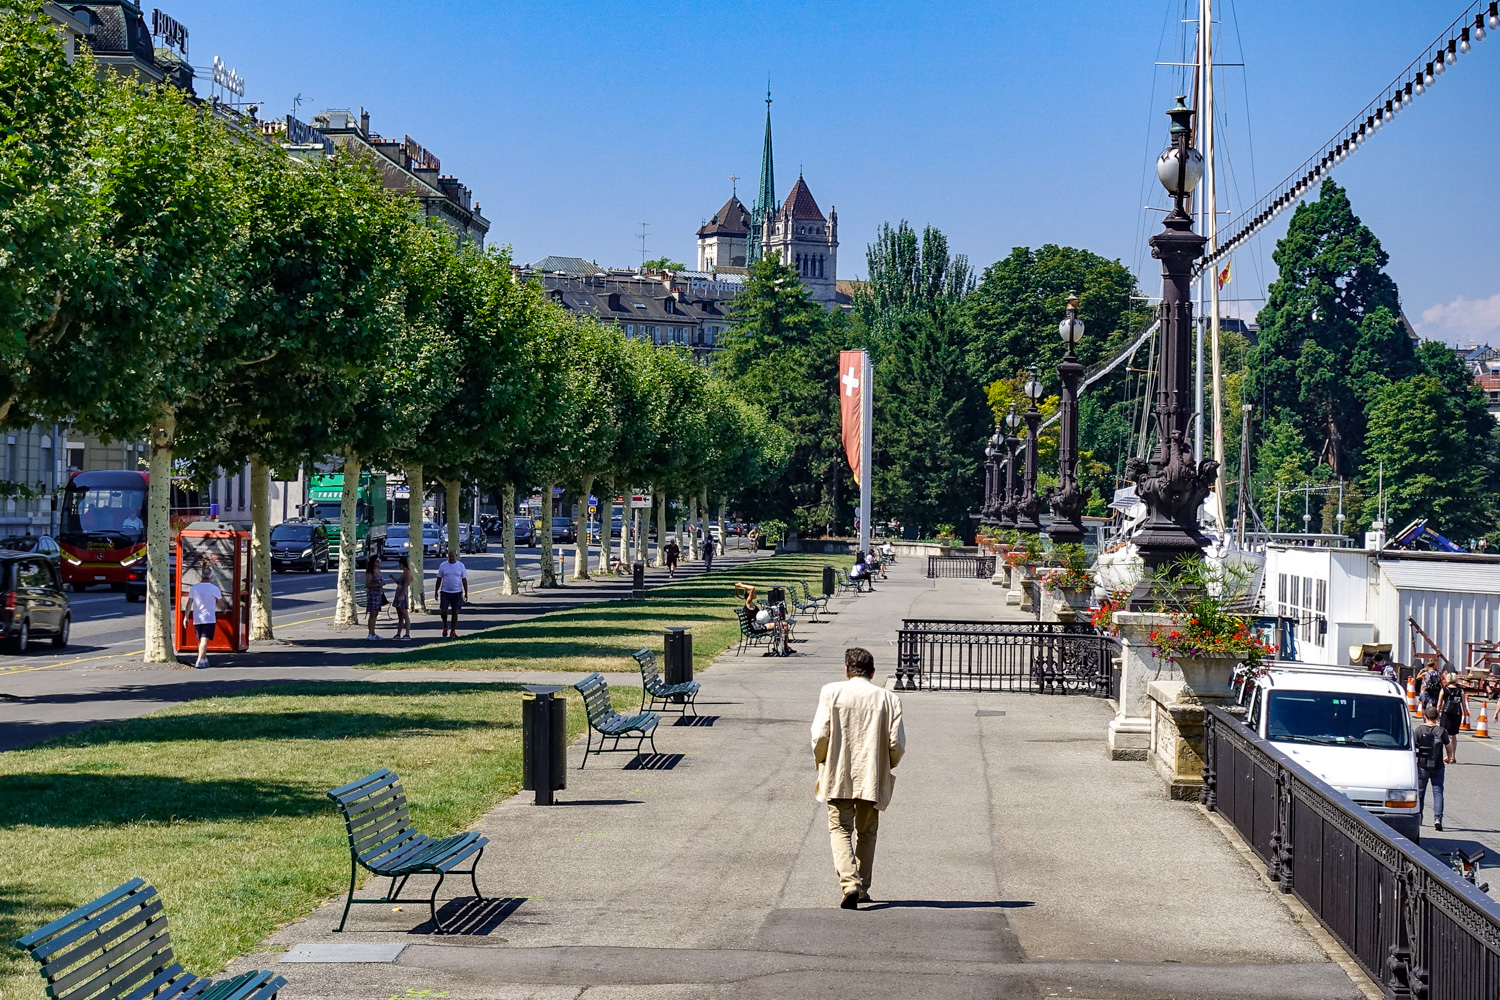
1415,926
960,567
1028,657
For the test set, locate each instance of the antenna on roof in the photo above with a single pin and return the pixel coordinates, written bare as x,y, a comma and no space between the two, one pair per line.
298,101
642,238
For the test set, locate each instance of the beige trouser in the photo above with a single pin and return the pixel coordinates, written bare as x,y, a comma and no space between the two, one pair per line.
852,824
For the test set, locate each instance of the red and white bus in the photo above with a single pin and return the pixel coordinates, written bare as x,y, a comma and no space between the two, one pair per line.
103,530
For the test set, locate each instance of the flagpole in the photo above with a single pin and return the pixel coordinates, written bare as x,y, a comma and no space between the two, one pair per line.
866,450
1207,127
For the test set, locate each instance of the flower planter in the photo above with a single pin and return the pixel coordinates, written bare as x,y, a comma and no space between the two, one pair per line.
1207,677
1077,598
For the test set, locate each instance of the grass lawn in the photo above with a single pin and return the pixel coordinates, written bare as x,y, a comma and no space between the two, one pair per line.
220,804
601,636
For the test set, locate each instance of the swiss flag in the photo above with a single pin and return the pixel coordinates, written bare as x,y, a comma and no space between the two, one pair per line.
851,402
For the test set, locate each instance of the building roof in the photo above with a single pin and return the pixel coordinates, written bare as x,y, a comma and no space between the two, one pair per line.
800,203
731,220
1468,576
574,266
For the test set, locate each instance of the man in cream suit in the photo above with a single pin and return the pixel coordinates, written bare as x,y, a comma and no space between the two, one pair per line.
857,738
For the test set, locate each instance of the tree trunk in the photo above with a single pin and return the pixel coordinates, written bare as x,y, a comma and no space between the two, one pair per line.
627,526
451,510
416,595
724,517
661,524
260,550
159,603
681,514
694,549
549,567
511,585
345,612
703,510
581,548
606,525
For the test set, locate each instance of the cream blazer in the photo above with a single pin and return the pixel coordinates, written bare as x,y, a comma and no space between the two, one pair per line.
857,738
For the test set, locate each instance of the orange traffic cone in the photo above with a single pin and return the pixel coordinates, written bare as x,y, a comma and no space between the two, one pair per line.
1482,731
1411,695
1465,727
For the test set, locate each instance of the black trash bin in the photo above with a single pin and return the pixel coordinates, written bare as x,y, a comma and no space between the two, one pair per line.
776,596
677,649
638,581
830,578
544,741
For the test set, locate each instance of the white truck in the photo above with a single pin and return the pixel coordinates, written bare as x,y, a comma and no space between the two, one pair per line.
1348,726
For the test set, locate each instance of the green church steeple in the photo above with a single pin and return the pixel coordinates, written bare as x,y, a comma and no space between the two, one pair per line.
765,198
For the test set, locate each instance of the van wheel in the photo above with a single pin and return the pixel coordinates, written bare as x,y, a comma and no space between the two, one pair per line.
60,640
21,641
130,597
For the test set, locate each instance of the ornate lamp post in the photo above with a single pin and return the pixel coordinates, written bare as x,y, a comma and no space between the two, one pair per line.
992,497
1030,504
1171,484
1012,498
1067,500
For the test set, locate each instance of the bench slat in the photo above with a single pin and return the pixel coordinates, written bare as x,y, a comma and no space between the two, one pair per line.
116,932
85,913
180,982
343,792
123,976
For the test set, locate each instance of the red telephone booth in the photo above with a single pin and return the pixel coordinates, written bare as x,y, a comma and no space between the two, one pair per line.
224,553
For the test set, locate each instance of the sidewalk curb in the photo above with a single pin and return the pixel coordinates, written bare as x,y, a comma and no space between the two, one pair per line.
1300,913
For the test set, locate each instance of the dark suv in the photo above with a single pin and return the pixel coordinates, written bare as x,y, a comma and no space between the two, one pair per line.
32,601
299,545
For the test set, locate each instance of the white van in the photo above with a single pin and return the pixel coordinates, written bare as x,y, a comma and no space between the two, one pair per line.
1348,726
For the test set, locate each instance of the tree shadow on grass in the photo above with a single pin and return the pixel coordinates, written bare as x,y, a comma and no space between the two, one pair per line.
70,800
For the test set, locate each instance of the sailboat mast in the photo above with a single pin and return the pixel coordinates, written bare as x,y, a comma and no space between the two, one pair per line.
1200,85
1211,273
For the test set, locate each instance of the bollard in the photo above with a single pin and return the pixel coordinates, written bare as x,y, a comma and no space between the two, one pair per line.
544,741
677,652
638,581
830,580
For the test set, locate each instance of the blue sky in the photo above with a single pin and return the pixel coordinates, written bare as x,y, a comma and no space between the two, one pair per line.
1002,124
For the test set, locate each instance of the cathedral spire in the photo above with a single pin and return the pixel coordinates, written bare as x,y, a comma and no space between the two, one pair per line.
765,198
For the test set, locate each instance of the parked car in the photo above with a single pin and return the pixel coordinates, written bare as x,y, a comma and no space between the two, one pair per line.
33,602
135,581
1348,726
42,545
564,530
526,530
300,545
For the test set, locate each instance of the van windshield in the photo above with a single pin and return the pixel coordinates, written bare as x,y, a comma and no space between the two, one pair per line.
1335,718
292,533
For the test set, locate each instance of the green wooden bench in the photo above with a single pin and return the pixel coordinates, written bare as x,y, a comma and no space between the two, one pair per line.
818,601
846,582
609,724
118,948
657,690
383,841
752,632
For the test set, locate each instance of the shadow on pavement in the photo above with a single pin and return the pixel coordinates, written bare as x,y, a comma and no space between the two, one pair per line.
948,904
653,762
471,917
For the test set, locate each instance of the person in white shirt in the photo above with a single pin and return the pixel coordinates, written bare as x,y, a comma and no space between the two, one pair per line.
857,740
204,602
452,591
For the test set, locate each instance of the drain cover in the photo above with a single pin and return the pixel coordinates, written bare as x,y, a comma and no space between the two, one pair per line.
340,951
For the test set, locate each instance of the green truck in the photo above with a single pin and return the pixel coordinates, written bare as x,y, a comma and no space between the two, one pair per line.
325,494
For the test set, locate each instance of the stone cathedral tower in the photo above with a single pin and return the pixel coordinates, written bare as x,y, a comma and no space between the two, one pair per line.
794,230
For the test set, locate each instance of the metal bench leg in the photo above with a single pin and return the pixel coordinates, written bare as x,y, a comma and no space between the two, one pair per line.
474,875
432,905
353,872
588,741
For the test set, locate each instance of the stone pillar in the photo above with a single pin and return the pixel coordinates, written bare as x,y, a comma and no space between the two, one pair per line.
1130,731
1017,591
1177,712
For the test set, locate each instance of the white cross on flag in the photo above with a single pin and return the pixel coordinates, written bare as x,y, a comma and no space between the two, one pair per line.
851,403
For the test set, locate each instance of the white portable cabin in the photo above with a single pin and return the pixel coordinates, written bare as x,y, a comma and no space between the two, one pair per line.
1342,597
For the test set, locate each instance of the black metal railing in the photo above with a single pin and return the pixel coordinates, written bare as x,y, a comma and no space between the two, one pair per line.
1028,657
1416,927
960,567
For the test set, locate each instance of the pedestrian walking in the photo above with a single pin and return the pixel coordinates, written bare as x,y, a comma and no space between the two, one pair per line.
452,591
1431,740
857,739
374,591
709,547
670,552
401,602
204,602
1451,710
1429,686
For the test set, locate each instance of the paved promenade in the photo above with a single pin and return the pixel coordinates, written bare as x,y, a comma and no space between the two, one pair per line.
1015,861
